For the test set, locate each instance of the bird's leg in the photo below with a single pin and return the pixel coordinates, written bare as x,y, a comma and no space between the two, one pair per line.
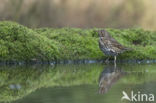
115,66
115,63
114,59
107,60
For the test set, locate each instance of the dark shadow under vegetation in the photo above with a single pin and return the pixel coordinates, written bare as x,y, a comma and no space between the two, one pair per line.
19,43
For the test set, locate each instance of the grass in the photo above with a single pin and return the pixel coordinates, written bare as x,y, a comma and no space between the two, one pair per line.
19,43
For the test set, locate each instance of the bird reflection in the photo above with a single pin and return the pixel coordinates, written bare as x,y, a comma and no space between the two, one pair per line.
110,75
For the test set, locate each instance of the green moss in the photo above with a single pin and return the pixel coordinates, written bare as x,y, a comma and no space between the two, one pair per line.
143,43
74,43
83,44
19,43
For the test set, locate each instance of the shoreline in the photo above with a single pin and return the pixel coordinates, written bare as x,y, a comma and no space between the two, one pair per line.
84,61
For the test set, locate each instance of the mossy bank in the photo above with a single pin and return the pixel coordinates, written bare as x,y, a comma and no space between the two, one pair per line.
19,43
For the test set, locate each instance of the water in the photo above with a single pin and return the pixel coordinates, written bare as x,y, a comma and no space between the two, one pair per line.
75,83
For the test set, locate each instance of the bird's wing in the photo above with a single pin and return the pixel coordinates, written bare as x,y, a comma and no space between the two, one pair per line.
117,45
112,44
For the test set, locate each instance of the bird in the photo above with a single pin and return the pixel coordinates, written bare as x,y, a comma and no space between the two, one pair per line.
109,46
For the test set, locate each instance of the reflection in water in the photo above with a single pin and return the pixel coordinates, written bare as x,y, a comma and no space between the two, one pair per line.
110,75
71,83
17,82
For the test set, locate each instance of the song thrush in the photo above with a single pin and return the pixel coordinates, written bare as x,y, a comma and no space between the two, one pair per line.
109,45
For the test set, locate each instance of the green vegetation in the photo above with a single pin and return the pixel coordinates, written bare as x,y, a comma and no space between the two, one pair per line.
19,43
142,42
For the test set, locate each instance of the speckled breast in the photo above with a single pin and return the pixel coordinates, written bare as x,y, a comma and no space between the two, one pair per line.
106,50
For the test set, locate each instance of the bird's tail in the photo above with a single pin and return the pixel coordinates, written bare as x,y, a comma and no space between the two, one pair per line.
127,49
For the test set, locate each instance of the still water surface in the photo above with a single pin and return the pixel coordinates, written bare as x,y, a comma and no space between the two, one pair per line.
75,83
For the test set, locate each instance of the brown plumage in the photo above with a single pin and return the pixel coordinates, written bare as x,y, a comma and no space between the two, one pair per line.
109,45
